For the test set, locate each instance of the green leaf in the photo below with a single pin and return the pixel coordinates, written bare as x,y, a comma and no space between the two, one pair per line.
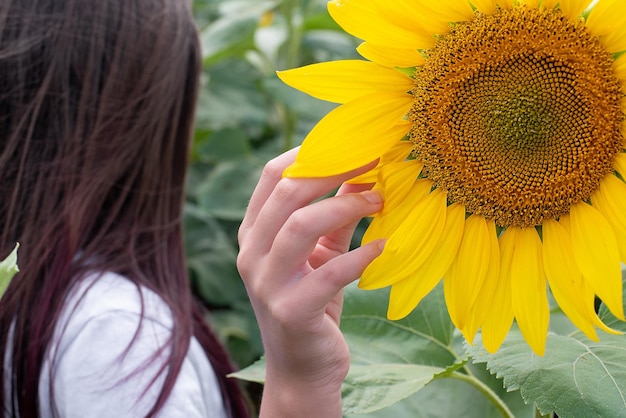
226,191
238,331
576,378
392,360
424,337
450,370
231,98
446,398
224,145
233,32
374,387
211,260
367,388
8,268
253,373
328,45
308,109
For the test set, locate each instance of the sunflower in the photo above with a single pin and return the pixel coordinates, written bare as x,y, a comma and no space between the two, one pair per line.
499,130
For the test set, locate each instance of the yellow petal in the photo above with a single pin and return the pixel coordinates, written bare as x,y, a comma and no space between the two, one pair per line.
344,81
531,3
407,293
598,323
396,180
566,282
610,200
549,4
390,57
615,41
350,136
482,305
450,10
597,256
620,163
506,4
467,272
399,152
487,7
606,16
528,289
434,18
368,21
573,8
410,14
410,245
496,326
619,69
385,226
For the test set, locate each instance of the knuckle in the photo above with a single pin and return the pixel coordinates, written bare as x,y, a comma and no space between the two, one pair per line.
241,234
281,311
297,225
285,190
273,170
348,207
244,266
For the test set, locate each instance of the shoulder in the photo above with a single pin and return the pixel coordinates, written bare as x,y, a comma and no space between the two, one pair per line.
111,307
107,293
110,346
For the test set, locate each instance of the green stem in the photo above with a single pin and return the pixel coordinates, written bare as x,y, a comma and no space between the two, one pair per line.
293,21
287,118
495,400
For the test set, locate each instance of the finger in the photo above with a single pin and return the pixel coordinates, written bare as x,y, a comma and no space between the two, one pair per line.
299,236
288,196
338,242
272,173
353,188
322,285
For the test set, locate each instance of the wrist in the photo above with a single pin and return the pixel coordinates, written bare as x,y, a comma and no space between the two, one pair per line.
287,398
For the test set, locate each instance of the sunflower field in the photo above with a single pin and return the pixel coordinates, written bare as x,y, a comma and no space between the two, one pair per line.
415,351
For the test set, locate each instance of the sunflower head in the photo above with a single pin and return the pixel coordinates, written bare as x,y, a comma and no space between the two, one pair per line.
498,125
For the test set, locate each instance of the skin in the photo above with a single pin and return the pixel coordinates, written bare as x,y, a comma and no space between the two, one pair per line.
295,262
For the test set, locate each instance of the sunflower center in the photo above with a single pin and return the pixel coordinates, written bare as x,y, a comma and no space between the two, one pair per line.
517,115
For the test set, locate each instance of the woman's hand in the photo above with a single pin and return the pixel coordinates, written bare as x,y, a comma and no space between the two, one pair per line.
295,262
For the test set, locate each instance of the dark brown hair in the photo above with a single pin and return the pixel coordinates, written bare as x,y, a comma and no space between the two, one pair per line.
97,102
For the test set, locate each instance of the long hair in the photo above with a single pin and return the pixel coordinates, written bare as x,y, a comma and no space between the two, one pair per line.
97,102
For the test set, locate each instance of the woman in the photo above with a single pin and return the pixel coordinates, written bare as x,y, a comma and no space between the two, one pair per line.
97,101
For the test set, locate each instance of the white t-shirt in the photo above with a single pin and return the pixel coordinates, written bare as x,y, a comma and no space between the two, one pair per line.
92,376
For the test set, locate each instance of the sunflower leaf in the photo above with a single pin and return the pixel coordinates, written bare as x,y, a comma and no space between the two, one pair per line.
253,373
369,388
575,378
392,360
424,337
449,371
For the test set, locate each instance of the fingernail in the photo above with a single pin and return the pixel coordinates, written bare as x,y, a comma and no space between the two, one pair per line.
372,196
381,244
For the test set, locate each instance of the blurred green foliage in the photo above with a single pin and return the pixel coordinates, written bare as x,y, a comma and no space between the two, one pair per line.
245,117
